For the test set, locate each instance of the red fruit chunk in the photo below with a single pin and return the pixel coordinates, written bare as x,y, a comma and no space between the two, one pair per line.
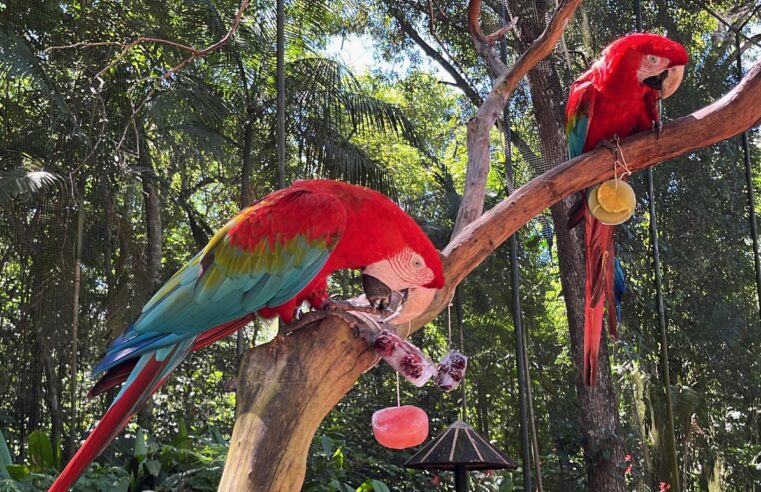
386,343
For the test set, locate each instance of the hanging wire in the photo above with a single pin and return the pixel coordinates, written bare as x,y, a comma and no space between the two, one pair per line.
675,482
449,326
398,392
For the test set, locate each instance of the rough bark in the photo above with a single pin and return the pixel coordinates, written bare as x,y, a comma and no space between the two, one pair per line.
291,385
600,425
152,202
288,387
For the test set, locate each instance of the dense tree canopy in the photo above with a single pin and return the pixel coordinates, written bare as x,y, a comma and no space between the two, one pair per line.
153,165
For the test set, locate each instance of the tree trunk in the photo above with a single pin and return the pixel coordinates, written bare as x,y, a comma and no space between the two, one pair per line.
152,203
600,425
285,389
71,441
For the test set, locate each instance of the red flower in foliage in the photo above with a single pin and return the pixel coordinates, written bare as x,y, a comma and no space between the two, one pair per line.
628,470
628,457
664,487
436,480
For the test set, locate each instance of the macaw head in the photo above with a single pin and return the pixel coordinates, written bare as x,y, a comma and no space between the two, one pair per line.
406,270
655,61
413,273
401,268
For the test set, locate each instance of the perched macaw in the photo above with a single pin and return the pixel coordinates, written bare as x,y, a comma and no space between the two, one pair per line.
267,260
617,96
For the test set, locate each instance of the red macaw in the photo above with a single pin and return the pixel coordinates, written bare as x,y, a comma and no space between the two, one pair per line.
267,260
617,96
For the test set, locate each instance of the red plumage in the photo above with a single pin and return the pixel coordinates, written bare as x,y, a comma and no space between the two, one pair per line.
618,96
267,260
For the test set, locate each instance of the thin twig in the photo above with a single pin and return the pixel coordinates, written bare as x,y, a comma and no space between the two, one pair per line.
452,59
195,53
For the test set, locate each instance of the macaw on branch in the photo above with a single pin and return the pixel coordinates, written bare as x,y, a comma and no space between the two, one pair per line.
617,96
267,260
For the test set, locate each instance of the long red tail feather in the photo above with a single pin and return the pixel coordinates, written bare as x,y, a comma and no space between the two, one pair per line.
118,374
598,286
116,417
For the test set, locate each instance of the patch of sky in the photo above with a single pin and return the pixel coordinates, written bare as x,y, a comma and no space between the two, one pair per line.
360,54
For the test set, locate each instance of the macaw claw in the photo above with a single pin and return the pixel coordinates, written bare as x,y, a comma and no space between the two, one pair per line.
657,127
612,144
333,305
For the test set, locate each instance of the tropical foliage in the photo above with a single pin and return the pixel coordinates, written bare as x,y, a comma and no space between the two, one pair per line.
152,165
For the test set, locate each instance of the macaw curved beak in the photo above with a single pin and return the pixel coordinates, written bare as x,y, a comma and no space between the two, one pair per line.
417,301
668,81
672,82
377,293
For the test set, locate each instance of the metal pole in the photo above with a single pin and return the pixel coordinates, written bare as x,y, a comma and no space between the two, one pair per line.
664,337
460,478
661,310
516,279
749,184
280,94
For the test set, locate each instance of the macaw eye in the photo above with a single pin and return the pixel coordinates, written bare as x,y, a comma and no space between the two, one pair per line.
416,261
652,59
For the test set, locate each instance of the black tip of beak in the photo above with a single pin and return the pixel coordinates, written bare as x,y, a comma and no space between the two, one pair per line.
375,290
656,81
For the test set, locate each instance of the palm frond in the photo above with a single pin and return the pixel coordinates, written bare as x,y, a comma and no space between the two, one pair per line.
18,60
188,93
325,87
25,182
331,155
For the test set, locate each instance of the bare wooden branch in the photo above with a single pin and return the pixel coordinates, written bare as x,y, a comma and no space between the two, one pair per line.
481,124
484,48
496,35
290,385
731,115
195,53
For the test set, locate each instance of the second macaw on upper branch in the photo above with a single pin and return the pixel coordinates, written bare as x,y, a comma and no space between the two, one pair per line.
617,96
267,260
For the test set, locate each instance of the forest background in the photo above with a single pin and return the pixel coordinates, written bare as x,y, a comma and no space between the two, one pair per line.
142,165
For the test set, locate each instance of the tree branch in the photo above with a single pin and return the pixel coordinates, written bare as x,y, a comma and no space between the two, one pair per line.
429,50
195,53
731,115
479,126
484,47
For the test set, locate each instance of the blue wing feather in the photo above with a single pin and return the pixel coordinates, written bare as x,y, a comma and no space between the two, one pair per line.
225,282
619,288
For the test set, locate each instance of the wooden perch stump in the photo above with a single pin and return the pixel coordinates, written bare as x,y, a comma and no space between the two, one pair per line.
285,389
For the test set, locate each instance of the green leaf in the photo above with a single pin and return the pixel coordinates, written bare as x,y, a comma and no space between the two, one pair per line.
18,472
379,486
217,436
367,486
327,445
25,182
5,457
153,467
41,452
507,483
141,450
